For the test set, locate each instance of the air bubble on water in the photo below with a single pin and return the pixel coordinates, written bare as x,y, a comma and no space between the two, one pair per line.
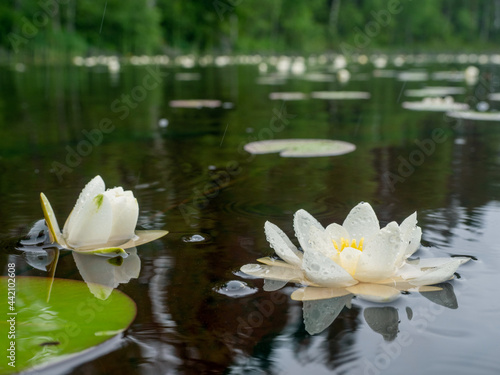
482,106
163,123
235,289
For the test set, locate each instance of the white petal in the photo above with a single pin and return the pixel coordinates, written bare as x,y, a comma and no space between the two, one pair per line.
276,262
379,256
320,241
414,242
349,258
324,271
438,274
91,224
436,262
302,223
408,228
275,273
374,292
336,232
143,236
412,234
361,222
408,271
94,187
311,293
125,215
282,245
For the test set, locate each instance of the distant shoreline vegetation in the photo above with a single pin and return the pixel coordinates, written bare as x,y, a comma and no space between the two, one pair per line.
55,30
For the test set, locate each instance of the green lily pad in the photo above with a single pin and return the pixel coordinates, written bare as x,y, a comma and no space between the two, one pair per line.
195,103
300,148
473,115
287,96
72,323
435,91
495,96
340,95
436,105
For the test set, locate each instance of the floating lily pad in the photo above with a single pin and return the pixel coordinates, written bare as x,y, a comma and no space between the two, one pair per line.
300,148
287,96
494,96
340,95
436,105
195,103
473,115
187,76
271,80
71,324
385,73
413,76
435,91
318,77
453,76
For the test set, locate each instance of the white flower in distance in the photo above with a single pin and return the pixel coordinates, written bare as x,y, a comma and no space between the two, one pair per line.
357,256
102,221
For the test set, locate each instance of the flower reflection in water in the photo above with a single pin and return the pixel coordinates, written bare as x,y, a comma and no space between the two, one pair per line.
101,273
320,314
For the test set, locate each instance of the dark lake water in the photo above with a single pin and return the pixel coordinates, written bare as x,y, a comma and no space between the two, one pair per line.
197,313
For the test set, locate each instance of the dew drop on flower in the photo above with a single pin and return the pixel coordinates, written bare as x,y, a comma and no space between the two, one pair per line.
235,289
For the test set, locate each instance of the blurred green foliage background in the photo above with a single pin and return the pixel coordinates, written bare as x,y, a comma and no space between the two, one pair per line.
54,29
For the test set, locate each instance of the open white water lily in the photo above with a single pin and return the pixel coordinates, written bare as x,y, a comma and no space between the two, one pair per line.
356,257
102,221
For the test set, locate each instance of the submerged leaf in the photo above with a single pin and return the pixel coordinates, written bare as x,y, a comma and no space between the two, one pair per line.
300,148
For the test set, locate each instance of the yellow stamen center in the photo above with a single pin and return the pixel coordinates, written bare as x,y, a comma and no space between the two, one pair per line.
344,243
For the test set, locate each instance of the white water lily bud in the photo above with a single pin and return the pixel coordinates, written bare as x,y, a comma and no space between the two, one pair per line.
101,218
125,214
